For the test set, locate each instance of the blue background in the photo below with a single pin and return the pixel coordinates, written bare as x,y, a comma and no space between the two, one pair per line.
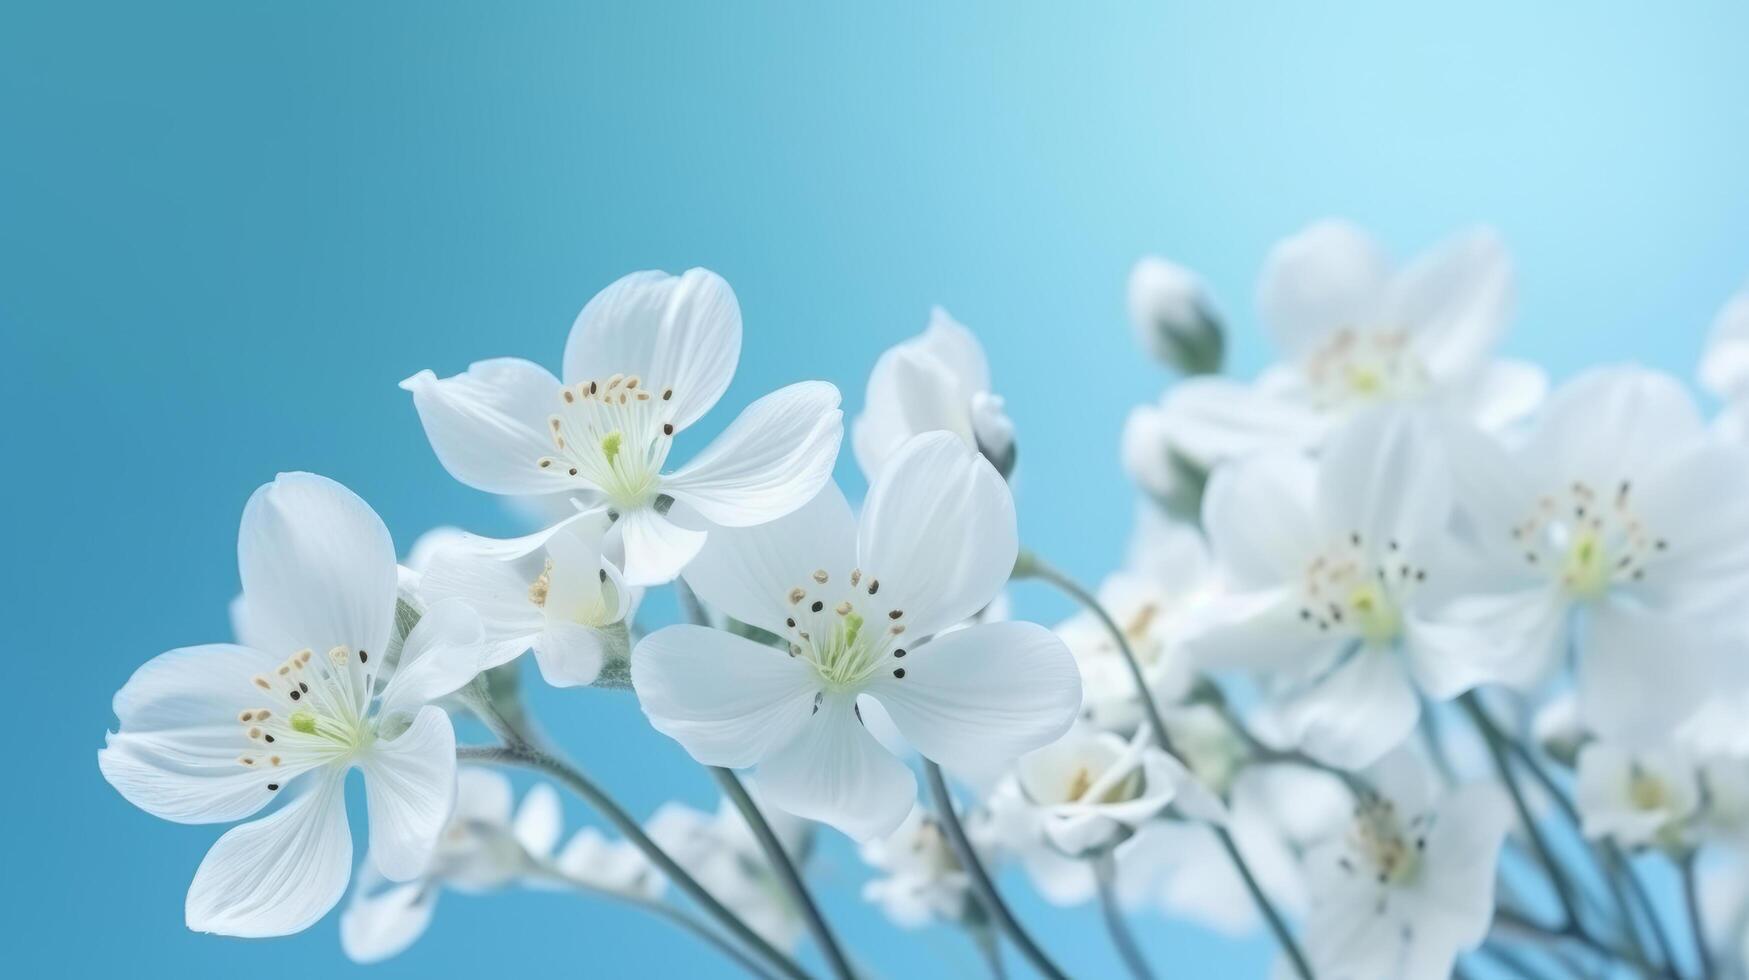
228,229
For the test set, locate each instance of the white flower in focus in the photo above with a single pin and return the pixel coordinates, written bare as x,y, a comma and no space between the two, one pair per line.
1724,367
646,358
553,592
1355,334
722,853
1606,532
1336,570
938,380
1409,883
1172,318
483,847
1156,600
923,881
1093,787
865,610
212,734
1636,797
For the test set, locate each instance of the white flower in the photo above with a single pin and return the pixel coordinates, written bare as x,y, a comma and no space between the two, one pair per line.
1724,367
1173,321
1092,787
482,848
1156,600
1355,334
935,381
1640,796
1335,570
923,880
212,734
863,609
647,357
593,859
721,852
1607,531
552,591
1409,884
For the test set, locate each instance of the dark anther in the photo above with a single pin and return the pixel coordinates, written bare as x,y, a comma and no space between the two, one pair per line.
817,606
667,393
303,687
874,586
268,737
899,672
573,471
601,573
667,428
790,623
899,652
295,695
895,614
273,786
363,657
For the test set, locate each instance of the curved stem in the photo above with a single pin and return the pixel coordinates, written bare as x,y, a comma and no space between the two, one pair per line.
529,757
1029,565
786,871
1104,873
1691,894
981,883
1647,909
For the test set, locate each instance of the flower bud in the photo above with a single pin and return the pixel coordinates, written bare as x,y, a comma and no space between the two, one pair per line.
1156,466
994,432
1172,317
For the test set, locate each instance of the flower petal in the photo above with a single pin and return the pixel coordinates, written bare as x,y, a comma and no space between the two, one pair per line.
569,654
1328,276
318,567
176,753
1612,424
727,700
1455,301
681,332
277,875
748,572
540,820
772,459
488,426
938,534
834,771
1382,477
984,695
1208,420
443,652
656,547
1362,710
382,923
1258,513
919,385
410,785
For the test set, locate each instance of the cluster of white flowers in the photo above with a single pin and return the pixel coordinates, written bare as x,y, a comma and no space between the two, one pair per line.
1409,660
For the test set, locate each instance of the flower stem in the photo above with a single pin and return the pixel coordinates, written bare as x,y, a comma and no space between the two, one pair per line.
1691,894
1105,874
981,883
786,871
528,757
1029,565
984,938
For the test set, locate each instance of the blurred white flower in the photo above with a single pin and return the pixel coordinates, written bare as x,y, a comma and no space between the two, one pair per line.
646,358
1172,318
1724,367
1409,883
1606,532
212,734
921,881
553,591
1637,797
722,853
1355,334
865,610
936,381
1092,788
1336,570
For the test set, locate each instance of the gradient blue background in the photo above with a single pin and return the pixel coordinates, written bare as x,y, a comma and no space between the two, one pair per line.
228,229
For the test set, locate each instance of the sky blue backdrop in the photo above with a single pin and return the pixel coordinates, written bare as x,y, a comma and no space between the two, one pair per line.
228,229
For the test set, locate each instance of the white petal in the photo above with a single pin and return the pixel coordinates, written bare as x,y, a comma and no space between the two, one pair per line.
1328,276
277,875
748,572
1724,368
442,653
984,695
656,548
1362,710
482,796
1382,477
938,535
1448,659
913,390
1526,631
1642,675
1462,859
496,590
1615,423
772,459
1259,631
950,343
834,771
727,700
383,924
1258,513
318,567
681,332
1208,420
539,821
410,786
1502,393
1455,301
569,654
176,754
488,426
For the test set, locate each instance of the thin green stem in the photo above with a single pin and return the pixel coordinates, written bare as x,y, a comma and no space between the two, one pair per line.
786,871
1648,910
1105,875
1691,895
981,883
1512,920
1031,566
984,938
528,757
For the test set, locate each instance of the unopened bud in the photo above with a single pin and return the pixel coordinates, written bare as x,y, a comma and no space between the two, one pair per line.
1156,466
994,432
1173,319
